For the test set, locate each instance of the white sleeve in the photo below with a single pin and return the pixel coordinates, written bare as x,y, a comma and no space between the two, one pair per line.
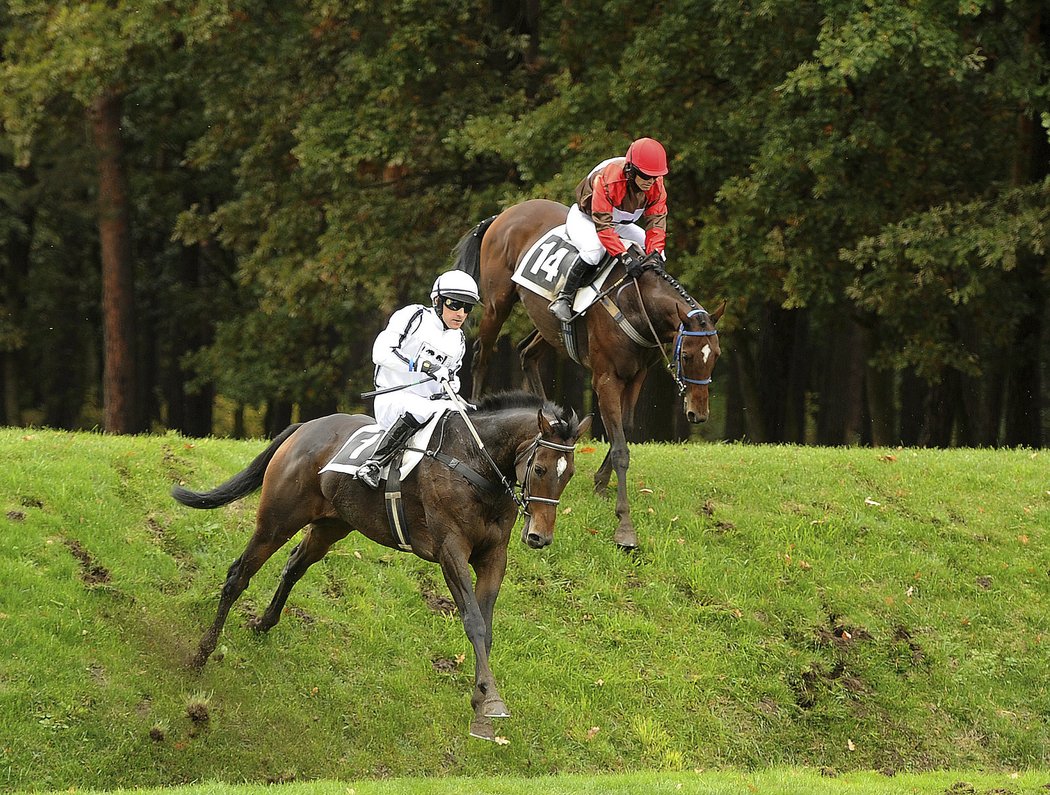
386,350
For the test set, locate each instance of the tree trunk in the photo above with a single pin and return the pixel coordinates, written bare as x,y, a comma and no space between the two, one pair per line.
1031,164
783,374
16,273
842,384
121,412
879,388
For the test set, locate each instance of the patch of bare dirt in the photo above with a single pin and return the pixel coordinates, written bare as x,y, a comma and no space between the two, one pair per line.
438,603
444,665
90,572
198,713
301,614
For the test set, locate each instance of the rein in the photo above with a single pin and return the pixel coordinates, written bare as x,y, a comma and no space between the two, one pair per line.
674,363
462,468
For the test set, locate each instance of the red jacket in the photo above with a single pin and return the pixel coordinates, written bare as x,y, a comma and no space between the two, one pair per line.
606,190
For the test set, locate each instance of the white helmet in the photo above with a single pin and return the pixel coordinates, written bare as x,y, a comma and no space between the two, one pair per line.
457,285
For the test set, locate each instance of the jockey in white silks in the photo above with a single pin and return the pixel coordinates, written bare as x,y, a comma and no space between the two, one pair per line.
421,349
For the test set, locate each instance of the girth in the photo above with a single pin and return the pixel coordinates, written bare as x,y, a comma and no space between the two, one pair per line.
395,508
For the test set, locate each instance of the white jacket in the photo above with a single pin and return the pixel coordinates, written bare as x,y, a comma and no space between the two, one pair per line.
414,337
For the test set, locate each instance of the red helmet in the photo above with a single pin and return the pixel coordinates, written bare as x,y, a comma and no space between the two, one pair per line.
648,156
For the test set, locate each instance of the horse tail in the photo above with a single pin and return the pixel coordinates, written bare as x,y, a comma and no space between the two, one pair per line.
468,249
240,485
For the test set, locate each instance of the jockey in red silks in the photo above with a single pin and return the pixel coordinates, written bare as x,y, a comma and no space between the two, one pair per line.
621,199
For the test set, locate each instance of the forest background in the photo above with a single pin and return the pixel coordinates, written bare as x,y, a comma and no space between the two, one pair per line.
208,208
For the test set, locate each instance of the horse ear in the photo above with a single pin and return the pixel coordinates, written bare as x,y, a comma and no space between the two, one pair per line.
583,428
545,423
717,314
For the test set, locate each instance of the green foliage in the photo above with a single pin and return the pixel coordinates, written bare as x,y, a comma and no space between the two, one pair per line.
847,609
317,161
935,275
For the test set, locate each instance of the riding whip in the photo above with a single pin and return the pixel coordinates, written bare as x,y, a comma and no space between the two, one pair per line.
375,392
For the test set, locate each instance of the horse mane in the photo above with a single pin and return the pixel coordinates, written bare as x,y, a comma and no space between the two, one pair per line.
658,269
564,421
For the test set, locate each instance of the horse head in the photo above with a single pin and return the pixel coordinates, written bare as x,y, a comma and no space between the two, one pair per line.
696,350
544,465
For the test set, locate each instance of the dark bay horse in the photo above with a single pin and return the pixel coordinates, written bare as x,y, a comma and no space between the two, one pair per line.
657,312
459,517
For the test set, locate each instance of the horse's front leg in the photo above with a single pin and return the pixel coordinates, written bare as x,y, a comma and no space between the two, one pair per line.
489,571
486,699
610,403
496,309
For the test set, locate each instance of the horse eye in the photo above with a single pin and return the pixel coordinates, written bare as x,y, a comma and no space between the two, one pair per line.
539,470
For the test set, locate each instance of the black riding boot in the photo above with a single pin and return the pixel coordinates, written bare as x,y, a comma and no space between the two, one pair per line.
561,307
396,437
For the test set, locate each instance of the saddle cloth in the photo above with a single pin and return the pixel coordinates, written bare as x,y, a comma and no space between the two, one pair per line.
542,269
364,441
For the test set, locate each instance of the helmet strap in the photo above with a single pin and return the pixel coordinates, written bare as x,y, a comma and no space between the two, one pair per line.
439,310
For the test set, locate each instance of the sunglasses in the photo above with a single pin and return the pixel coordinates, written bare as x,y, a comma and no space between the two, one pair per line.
644,177
455,305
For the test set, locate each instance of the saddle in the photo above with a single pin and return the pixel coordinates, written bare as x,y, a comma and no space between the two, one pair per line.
359,448
543,268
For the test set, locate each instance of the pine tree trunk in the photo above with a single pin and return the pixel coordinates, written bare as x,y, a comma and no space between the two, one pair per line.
121,411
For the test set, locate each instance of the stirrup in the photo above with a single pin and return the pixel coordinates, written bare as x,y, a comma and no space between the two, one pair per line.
368,473
561,308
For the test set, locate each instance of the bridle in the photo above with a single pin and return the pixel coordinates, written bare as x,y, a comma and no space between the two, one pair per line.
680,377
526,497
674,364
530,451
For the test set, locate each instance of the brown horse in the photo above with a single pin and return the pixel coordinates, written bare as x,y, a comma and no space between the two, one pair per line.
459,505
655,312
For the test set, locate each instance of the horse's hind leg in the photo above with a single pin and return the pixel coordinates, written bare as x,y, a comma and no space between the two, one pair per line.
267,539
317,540
532,351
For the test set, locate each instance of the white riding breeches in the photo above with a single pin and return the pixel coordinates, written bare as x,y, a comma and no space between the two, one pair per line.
580,229
392,405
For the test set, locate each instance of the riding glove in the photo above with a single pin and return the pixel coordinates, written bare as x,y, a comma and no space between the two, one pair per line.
440,374
632,264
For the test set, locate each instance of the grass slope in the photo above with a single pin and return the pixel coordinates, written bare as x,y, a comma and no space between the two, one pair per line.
845,609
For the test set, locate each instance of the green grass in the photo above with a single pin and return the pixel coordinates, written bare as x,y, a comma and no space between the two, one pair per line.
840,609
782,781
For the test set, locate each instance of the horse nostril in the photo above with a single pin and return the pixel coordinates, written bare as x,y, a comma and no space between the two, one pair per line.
536,541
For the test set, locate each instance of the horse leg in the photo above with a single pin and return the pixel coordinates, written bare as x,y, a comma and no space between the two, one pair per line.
610,402
317,540
267,539
489,572
485,700
497,308
532,351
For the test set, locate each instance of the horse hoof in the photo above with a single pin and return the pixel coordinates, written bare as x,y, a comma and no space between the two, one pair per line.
627,540
495,709
482,729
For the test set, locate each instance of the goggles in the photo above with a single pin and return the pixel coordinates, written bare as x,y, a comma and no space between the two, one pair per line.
456,305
